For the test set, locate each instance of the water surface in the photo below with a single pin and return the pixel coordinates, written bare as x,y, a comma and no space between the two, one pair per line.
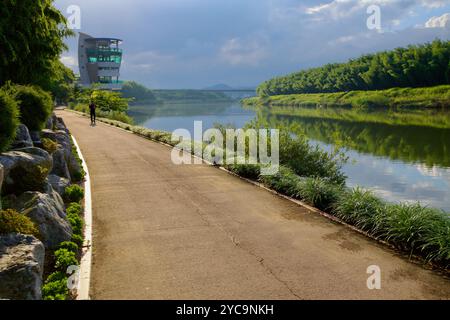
401,155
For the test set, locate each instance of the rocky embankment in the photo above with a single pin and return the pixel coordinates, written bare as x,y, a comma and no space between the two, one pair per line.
33,176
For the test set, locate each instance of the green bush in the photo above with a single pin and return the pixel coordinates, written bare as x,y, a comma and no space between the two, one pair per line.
73,193
74,208
70,246
319,193
49,145
409,226
360,208
250,171
76,222
55,287
9,119
77,176
13,222
35,105
64,259
78,239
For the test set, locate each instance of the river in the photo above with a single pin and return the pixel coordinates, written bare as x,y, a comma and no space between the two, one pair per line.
401,156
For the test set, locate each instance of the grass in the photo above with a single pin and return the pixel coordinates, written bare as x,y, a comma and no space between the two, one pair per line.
431,97
411,228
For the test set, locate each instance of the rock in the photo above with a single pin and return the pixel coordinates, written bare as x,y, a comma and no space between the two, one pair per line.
60,167
46,210
59,184
65,142
21,267
36,138
60,125
25,170
23,138
51,122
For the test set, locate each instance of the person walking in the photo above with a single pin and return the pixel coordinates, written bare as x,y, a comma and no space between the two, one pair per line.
92,108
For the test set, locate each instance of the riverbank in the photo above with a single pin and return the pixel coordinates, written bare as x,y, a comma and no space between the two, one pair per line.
432,97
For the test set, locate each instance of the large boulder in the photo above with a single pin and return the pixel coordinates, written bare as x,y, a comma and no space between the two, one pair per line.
65,144
60,125
59,184
60,166
25,170
23,138
46,210
21,267
36,138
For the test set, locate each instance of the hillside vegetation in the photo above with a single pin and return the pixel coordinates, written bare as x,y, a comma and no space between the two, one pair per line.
415,66
433,97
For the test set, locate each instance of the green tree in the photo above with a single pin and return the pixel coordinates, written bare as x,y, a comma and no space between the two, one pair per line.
32,36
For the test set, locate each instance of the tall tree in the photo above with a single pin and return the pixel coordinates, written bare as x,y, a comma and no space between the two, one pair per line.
32,34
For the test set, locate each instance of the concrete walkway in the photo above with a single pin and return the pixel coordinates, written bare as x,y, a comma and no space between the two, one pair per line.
163,231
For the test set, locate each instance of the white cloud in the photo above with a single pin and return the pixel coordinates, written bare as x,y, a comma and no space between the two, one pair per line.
70,62
236,51
438,22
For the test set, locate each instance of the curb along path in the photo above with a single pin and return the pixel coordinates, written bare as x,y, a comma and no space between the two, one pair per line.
163,231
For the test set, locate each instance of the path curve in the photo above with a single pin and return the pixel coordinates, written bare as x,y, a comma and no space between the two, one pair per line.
162,231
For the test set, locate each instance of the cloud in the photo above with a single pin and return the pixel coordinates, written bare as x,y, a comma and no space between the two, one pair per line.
438,22
236,51
197,43
70,61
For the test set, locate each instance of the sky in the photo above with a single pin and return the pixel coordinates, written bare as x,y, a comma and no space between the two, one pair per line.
192,44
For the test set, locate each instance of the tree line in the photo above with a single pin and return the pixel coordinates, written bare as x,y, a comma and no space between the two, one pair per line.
415,66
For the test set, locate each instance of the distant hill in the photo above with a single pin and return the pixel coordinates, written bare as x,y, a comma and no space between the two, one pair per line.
219,86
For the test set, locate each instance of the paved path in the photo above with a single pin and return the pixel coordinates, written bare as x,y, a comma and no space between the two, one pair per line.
163,231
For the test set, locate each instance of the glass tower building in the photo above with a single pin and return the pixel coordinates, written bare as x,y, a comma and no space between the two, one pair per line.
99,60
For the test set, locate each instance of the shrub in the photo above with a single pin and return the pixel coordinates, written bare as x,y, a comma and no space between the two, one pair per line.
49,145
9,119
74,208
409,226
436,245
35,105
55,287
76,222
360,208
78,239
73,193
64,259
70,246
319,193
309,161
13,222
77,176
285,181
250,171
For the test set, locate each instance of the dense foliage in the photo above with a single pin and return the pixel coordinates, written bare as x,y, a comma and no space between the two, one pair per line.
137,92
32,36
35,105
9,119
13,222
414,66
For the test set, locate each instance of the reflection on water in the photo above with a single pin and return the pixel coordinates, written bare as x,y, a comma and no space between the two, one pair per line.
176,116
402,156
